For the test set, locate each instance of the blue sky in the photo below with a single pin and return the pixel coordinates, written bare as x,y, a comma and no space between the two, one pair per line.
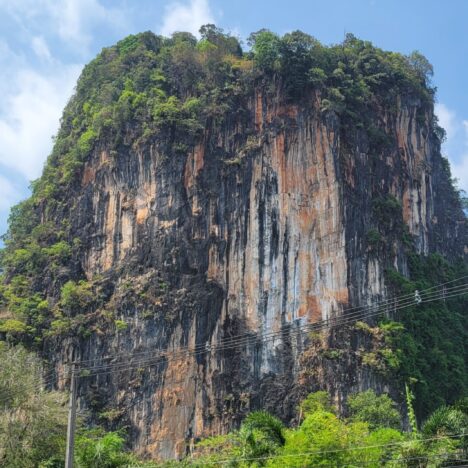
45,43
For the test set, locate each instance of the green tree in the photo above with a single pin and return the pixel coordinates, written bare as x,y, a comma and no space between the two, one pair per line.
421,65
325,439
299,53
266,49
320,440
224,42
97,449
261,434
75,297
376,410
317,401
32,421
447,421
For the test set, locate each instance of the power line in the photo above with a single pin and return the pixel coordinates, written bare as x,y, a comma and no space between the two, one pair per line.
316,325
428,297
447,455
394,302
252,339
187,352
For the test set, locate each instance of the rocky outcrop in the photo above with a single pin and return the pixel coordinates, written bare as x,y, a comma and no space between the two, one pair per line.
261,226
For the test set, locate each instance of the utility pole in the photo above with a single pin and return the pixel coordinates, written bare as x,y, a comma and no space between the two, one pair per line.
71,419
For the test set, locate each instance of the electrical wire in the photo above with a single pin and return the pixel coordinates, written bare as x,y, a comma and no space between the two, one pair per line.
123,367
155,357
251,339
447,455
408,298
448,293
326,322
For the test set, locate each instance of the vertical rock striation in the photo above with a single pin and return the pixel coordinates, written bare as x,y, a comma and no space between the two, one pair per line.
267,238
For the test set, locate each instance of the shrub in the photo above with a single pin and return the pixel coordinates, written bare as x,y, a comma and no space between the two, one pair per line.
86,141
12,326
374,238
76,297
318,401
120,325
60,251
387,209
376,410
96,449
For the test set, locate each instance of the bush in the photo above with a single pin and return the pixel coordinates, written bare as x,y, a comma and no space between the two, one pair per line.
120,325
76,297
374,238
318,401
377,411
86,141
387,209
59,251
96,449
12,326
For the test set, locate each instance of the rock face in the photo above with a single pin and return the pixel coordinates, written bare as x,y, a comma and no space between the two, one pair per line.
197,248
244,221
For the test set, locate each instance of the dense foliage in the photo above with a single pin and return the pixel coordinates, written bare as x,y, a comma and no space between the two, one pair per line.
370,437
433,341
33,422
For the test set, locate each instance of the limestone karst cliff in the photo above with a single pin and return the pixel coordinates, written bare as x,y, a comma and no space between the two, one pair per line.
197,193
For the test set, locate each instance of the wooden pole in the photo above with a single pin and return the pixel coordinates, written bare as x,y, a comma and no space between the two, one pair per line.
71,420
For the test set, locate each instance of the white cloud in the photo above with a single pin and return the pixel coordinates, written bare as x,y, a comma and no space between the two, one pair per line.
447,119
72,20
75,18
34,93
9,60
459,171
9,194
5,51
186,17
465,126
456,144
41,48
34,111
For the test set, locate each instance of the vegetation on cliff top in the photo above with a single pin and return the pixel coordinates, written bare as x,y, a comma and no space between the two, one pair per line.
172,87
